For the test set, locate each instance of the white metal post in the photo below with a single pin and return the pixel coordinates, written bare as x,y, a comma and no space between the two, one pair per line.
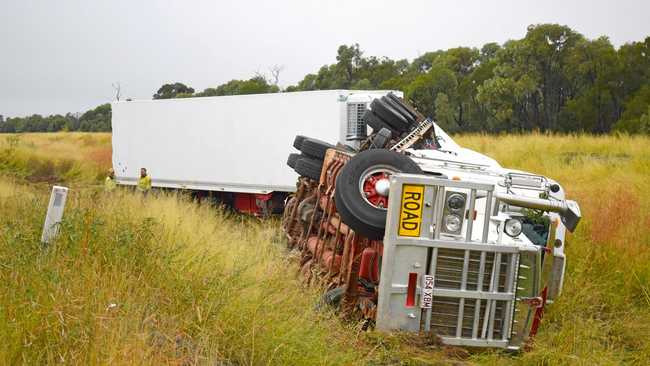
54,213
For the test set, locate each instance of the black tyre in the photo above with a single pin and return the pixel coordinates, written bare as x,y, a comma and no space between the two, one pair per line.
292,159
297,141
355,208
400,109
334,296
315,148
309,168
389,115
377,124
406,107
381,139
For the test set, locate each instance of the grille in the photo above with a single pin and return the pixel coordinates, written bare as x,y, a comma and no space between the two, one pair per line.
356,125
445,317
446,311
470,288
449,270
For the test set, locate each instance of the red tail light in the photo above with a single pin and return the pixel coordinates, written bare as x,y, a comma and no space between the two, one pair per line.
410,290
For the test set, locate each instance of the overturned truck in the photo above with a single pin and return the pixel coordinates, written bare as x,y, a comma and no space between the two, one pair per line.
412,232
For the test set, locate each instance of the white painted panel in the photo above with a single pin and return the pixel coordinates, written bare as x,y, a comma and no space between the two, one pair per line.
232,143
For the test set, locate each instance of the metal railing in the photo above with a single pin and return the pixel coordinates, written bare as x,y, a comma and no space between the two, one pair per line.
414,136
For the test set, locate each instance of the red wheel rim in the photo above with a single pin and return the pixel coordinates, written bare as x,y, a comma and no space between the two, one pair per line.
371,194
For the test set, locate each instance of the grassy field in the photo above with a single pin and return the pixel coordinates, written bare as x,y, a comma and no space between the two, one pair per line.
168,281
74,158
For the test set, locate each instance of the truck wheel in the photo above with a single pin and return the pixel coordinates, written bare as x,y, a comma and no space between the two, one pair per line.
389,115
398,107
309,168
315,148
291,160
377,124
361,194
381,139
297,141
399,101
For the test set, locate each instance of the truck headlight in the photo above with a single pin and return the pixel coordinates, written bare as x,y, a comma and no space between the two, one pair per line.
512,227
452,223
456,202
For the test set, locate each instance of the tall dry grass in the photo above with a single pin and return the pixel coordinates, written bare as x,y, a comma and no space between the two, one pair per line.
155,281
603,315
64,157
192,284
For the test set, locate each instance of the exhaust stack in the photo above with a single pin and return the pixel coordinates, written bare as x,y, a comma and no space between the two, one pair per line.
569,210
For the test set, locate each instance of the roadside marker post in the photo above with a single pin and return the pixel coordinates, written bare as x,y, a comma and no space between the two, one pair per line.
54,213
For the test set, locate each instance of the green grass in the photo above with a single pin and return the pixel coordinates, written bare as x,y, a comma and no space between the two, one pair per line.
153,281
194,285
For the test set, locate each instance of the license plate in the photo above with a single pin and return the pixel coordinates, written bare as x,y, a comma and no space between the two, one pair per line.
427,292
410,218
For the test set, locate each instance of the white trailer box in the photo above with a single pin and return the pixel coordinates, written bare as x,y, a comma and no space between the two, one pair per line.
230,143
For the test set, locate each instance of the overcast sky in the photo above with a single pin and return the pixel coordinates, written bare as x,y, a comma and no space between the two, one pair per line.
63,56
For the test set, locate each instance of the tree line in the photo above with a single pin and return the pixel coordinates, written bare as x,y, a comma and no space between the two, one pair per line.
95,120
553,79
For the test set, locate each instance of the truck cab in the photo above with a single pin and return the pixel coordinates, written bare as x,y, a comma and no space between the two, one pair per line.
412,232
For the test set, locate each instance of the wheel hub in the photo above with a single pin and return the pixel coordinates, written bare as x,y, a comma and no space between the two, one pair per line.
376,187
382,186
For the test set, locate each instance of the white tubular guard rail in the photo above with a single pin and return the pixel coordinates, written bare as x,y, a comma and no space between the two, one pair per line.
466,287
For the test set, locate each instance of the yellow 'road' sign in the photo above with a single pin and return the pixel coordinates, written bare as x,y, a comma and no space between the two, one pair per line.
410,217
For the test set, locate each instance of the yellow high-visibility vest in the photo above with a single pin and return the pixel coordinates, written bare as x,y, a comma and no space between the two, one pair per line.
109,184
144,183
